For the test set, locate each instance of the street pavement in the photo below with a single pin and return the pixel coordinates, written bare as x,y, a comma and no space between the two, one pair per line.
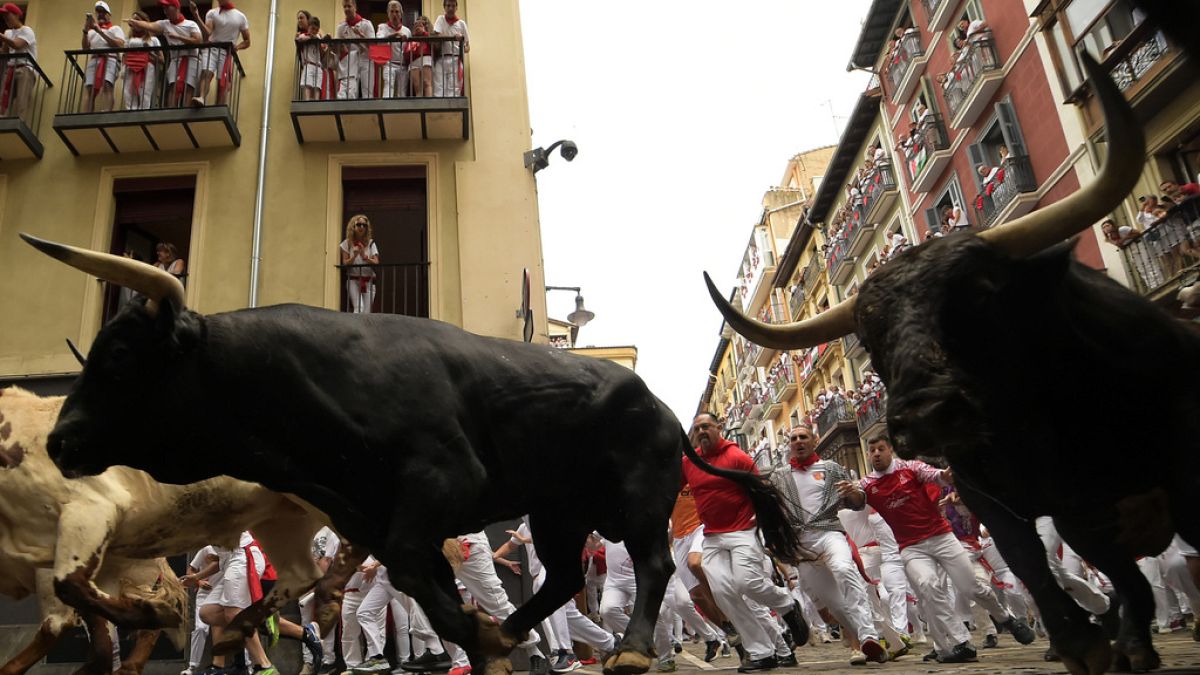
1179,652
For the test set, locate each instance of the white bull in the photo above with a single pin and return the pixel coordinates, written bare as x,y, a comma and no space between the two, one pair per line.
89,530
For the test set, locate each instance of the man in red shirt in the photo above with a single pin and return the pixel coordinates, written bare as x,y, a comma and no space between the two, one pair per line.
734,560
896,488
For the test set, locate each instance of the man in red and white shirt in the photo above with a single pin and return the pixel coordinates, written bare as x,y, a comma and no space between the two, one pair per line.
734,559
896,488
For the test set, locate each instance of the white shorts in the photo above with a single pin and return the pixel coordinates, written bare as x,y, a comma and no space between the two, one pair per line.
193,68
233,590
693,541
311,75
426,60
112,66
212,60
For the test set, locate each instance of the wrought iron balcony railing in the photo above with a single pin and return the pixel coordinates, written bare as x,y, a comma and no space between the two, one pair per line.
931,137
1166,249
386,289
907,49
977,58
1014,177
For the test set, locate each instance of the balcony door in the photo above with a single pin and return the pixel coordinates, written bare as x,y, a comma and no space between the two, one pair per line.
395,200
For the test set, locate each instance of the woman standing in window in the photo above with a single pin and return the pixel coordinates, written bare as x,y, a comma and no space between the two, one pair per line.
169,260
358,248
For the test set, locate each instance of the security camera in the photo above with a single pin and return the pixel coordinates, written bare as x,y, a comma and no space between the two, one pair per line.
569,150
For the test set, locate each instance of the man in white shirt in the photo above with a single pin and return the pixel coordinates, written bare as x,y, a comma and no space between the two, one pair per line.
20,76
100,33
182,66
354,64
447,71
394,74
223,23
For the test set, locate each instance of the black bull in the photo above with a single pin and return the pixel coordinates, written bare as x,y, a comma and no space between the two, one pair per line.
404,432
1049,388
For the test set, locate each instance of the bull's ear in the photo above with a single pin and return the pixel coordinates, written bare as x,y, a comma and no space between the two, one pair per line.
176,328
1053,262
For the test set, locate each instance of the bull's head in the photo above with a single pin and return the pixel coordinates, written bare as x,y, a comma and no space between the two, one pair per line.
900,313
140,355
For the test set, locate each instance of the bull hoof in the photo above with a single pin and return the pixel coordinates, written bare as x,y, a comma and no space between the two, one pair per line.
499,666
627,663
1094,662
493,642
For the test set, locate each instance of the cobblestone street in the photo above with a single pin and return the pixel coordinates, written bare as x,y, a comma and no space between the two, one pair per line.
1179,652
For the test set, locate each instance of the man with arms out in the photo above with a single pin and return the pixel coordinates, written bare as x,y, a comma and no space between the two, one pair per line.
734,559
223,23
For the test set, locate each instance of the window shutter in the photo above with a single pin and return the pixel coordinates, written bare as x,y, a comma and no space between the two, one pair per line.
976,156
931,219
1011,129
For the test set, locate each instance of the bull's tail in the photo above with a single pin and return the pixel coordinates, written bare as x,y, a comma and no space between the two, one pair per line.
780,533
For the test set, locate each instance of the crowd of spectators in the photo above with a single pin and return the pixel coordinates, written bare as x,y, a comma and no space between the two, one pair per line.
968,33
859,192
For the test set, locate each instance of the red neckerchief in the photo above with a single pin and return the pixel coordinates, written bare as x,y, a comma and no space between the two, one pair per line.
104,24
451,20
396,26
178,19
225,6
354,21
799,465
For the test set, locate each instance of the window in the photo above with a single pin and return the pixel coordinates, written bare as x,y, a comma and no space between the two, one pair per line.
998,145
376,11
956,35
394,200
950,198
152,9
149,212
1098,26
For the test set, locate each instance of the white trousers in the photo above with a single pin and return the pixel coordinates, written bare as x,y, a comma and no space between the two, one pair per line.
1086,595
351,628
679,602
199,640
308,606
478,576
973,612
140,97
1165,605
892,587
361,301
617,598
445,77
734,564
1014,593
835,582
1177,577
922,562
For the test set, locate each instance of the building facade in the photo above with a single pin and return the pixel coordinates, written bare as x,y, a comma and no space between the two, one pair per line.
256,198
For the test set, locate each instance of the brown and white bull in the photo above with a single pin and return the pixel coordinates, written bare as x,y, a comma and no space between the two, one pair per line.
1049,388
33,496
93,531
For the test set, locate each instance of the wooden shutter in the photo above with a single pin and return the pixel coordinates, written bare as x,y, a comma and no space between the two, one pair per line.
1010,129
976,156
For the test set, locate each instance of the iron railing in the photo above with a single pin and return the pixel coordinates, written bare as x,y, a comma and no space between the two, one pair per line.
784,374
329,69
385,289
882,179
908,48
871,410
143,85
1166,249
931,137
796,301
1134,56
975,59
22,89
838,412
1016,177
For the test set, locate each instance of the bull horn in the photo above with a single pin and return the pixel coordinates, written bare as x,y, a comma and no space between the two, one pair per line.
156,284
829,325
76,353
1118,176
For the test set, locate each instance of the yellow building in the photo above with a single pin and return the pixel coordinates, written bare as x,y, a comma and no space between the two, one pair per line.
563,333
441,178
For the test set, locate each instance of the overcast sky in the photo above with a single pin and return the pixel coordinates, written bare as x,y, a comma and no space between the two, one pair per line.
684,119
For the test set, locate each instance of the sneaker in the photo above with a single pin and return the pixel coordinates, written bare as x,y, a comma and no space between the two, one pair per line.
858,658
874,651
376,664
197,102
667,666
963,652
264,670
990,641
797,625
931,656
312,642
677,646
271,625
786,661
538,665
1020,630
589,661
710,651
460,670
756,665
1178,625
187,671
565,663
432,663
725,653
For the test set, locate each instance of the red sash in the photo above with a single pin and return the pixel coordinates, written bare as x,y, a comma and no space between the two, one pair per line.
7,97
181,73
138,63
253,579
101,75
226,75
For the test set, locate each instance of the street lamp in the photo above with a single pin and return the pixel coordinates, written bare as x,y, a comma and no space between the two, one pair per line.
580,317
539,158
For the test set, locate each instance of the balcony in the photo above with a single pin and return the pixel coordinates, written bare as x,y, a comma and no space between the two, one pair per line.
762,272
1166,251
785,382
871,412
147,115
905,65
929,154
938,13
796,301
1009,195
385,289
879,194
391,112
23,90
976,76
835,423
851,344
838,259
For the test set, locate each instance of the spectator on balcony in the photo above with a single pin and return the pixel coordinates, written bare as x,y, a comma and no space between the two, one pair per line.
19,76
955,218
1117,236
141,67
312,71
393,74
169,260
223,23
100,33
1178,192
971,30
448,67
354,64
358,248
419,56
1145,217
182,67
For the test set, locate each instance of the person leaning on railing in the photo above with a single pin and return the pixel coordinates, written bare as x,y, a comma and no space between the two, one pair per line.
312,71
360,252
418,54
391,75
447,67
141,67
182,67
19,76
223,23
354,64
100,33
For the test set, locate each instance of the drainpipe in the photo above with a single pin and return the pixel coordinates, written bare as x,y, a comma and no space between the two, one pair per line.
260,180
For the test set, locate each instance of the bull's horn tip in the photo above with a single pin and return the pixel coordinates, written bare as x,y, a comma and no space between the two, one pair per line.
44,245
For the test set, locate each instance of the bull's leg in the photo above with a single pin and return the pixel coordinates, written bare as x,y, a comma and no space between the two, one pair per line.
652,567
423,573
84,531
143,645
100,655
559,542
286,543
1134,648
43,641
1083,647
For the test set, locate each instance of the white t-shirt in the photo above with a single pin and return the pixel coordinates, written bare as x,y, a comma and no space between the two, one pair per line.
97,42
535,564
385,30
325,544
975,27
811,486
197,563
227,25
173,31
443,27
25,33
370,251
619,564
362,29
